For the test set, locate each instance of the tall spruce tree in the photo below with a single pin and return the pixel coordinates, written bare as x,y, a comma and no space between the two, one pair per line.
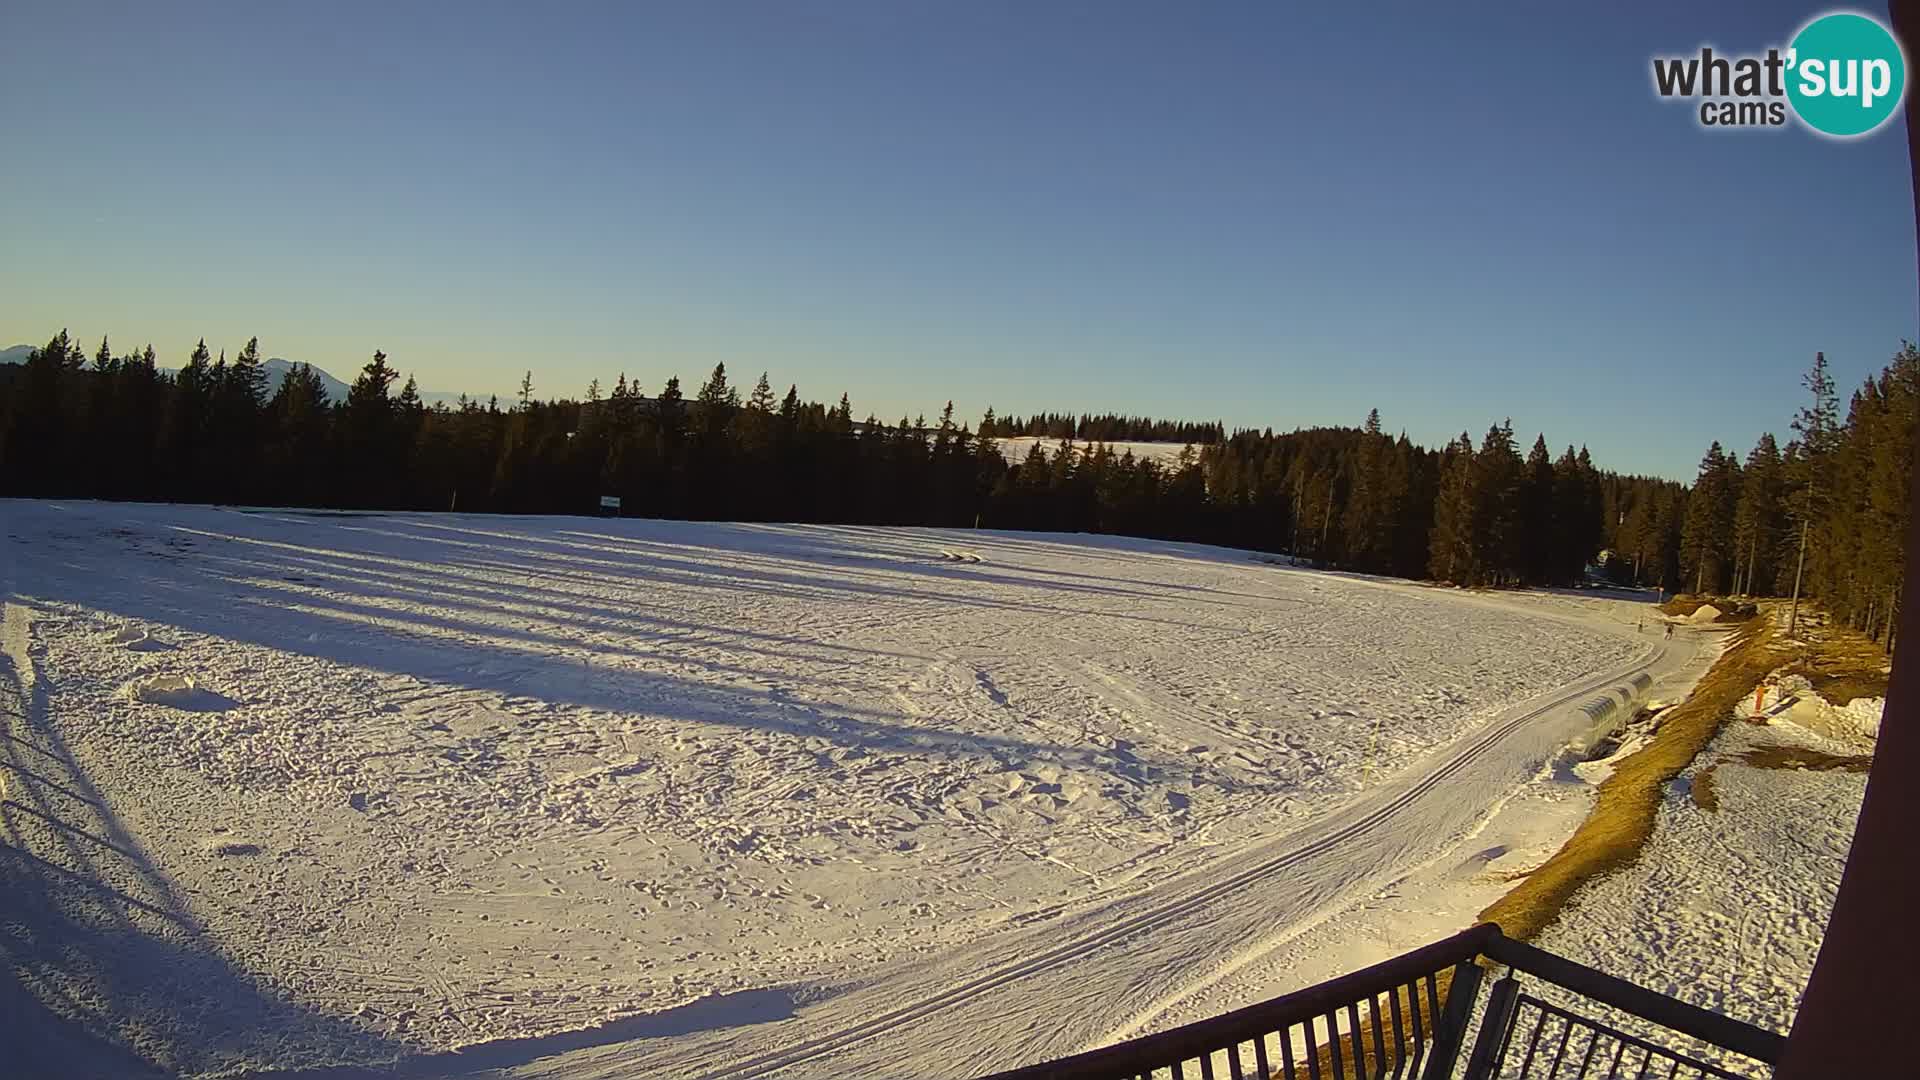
1706,534
1759,520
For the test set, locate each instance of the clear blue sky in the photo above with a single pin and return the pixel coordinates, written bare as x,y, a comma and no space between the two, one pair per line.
1255,212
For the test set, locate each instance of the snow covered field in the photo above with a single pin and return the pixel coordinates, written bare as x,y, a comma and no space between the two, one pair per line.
408,783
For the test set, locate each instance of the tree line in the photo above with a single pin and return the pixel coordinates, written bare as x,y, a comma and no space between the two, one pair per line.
1110,427
1473,513
1823,516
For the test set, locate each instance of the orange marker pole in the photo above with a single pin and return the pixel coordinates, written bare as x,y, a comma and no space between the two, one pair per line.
1759,695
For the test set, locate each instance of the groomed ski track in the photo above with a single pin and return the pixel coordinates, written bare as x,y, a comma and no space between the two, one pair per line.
1068,984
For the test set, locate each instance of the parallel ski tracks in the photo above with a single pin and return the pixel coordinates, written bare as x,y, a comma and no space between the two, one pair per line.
1175,908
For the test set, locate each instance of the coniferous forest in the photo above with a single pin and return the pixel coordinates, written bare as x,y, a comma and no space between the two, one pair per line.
1482,513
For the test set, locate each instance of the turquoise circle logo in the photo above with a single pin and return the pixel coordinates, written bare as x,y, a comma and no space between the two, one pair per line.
1846,74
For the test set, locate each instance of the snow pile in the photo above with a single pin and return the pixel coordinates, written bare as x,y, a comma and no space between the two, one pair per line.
1862,716
132,637
1791,697
1705,613
175,692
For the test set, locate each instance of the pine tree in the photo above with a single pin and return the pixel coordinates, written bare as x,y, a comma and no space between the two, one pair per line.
1541,563
40,441
366,433
1816,426
1567,539
762,399
1706,536
717,399
1759,523
1370,506
1452,548
248,379
191,406
1494,493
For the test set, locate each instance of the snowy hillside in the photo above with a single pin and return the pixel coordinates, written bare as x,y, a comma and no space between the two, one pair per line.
505,777
1016,450
276,370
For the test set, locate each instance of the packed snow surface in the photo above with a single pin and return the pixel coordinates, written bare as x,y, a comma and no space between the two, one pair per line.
1726,908
408,782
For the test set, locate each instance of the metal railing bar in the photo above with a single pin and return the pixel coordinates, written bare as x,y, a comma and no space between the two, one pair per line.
1495,1024
1333,1043
1723,1031
1593,1043
1399,1033
1533,1044
1630,1040
1233,1062
1419,1032
1614,1068
1451,1027
1358,1035
1560,1054
1379,1033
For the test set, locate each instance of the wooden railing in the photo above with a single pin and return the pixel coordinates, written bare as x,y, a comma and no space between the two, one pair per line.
1410,1018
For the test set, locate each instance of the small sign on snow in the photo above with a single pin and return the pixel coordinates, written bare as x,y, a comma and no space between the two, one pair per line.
609,502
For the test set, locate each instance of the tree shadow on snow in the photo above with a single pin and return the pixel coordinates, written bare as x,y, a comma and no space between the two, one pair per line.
104,972
517,651
714,1013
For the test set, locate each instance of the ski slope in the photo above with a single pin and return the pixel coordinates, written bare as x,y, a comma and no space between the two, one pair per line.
605,797
1016,449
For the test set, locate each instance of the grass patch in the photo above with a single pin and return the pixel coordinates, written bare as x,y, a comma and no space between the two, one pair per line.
1800,757
1627,802
1842,665
1704,796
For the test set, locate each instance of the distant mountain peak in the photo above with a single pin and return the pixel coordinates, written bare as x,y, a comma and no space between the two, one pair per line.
276,369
